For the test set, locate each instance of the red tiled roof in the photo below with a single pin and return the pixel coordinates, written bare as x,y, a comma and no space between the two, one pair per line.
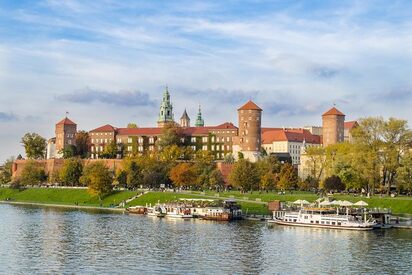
334,112
250,105
226,125
351,124
139,131
105,128
297,135
66,121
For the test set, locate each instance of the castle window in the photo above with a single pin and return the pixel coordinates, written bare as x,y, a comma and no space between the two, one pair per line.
204,139
204,148
129,140
129,148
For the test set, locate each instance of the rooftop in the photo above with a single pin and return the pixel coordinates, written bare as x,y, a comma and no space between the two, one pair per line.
250,105
66,121
333,111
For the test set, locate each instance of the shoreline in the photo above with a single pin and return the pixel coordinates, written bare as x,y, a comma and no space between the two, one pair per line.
86,207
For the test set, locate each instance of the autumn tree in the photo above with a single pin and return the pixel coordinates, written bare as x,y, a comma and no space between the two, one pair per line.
244,176
34,145
171,135
110,150
183,175
216,180
32,174
316,161
71,172
6,172
134,174
132,125
404,174
98,178
288,177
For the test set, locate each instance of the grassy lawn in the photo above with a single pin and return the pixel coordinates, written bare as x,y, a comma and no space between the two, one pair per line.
162,197
63,196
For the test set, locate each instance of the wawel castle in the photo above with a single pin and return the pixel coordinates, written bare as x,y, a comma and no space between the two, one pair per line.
248,137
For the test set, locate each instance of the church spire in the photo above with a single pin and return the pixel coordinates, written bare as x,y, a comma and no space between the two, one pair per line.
199,120
185,120
166,109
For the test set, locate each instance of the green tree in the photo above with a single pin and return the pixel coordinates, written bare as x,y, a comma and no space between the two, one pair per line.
216,180
34,145
110,150
132,125
404,174
82,144
121,178
98,178
171,135
32,174
244,175
333,183
134,174
71,172
288,177
69,151
316,161
6,171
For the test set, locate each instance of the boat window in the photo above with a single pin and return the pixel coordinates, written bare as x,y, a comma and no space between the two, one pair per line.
327,222
322,222
294,220
333,223
317,221
339,223
306,217
311,221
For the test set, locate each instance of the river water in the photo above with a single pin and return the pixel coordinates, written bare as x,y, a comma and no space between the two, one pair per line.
66,241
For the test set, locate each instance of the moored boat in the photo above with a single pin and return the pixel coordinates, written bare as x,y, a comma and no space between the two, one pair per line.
156,211
322,218
137,210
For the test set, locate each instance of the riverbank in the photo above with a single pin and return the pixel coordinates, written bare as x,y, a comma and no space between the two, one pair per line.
64,206
252,203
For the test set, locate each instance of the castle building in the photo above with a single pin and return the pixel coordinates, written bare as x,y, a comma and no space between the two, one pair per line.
349,126
278,141
185,120
65,131
248,141
333,125
166,110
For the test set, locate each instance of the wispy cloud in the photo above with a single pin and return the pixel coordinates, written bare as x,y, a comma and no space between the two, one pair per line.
5,117
121,98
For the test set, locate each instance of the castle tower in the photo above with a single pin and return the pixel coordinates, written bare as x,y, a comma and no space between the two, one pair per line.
333,127
65,135
166,110
199,120
185,120
249,139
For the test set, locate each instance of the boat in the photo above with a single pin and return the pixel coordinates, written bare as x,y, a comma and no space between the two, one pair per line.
156,211
177,211
322,218
137,210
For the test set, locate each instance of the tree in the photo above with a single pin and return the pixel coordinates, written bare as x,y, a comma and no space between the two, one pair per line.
171,135
6,171
98,178
267,181
69,151
34,145
244,175
134,174
71,172
287,177
132,125
183,175
121,178
404,174
333,183
316,161
216,180
32,174
110,150
82,144
308,184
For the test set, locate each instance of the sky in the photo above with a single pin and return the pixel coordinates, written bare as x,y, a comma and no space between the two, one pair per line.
108,62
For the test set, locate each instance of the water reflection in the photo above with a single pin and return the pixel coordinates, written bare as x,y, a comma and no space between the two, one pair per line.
49,240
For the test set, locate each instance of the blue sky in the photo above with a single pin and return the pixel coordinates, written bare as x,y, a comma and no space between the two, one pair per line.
108,61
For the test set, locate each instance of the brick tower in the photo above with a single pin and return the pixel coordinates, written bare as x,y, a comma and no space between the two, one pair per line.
249,139
333,127
65,135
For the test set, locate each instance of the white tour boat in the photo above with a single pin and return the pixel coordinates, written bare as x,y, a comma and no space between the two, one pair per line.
178,212
323,218
156,211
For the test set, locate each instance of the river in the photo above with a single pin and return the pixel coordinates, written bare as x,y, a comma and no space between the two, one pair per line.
65,241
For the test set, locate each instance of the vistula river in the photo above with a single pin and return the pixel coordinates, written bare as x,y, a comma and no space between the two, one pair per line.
65,241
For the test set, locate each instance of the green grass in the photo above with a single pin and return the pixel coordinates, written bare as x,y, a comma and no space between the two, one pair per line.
66,196
162,197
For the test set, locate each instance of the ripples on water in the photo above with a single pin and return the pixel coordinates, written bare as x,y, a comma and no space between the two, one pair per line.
50,240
